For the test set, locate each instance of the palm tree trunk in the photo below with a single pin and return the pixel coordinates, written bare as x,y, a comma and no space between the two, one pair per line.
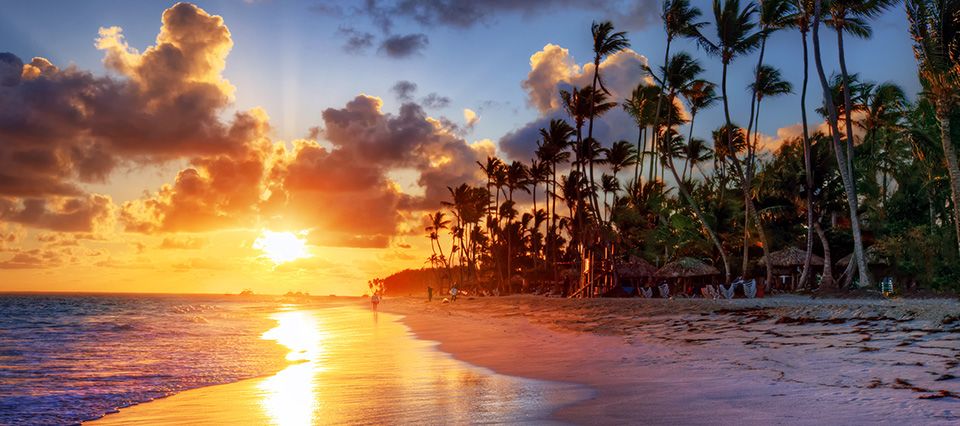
807,166
943,114
827,283
641,147
656,115
842,162
703,222
693,116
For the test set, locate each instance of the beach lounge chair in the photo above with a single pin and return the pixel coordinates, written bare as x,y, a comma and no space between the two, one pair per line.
727,292
710,292
646,292
664,290
750,289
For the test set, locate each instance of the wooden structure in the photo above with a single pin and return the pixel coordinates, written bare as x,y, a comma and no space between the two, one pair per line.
687,275
631,275
788,265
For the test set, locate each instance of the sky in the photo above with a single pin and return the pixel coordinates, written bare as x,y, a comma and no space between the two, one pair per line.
151,146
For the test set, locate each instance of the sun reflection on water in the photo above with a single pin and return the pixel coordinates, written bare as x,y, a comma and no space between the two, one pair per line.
290,397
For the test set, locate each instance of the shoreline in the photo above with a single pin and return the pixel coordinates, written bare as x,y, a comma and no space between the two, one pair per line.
702,361
297,395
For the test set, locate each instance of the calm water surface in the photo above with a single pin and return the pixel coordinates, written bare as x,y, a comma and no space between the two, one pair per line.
69,358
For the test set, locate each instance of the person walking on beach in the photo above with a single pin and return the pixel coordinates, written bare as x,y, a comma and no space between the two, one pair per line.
375,300
429,294
453,293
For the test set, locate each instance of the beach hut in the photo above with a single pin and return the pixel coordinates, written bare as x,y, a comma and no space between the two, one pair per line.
788,265
632,274
876,261
874,258
687,274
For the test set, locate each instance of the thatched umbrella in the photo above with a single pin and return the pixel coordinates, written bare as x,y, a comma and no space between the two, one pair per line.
686,267
635,268
789,257
787,262
873,257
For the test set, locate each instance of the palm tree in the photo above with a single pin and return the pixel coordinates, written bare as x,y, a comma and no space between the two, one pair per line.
735,37
767,84
843,163
850,16
517,179
620,156
438,222
773,15
695,152
934,27
803,11
606,42
884,107
679,20
640,106
700,94
556,139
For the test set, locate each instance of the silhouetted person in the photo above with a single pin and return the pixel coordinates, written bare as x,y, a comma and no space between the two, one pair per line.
429,294
375,300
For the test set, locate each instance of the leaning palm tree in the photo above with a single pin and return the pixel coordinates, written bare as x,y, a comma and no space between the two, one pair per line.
843,164
935,27
735,36
773,15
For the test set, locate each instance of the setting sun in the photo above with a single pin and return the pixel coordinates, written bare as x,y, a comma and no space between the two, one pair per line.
281,247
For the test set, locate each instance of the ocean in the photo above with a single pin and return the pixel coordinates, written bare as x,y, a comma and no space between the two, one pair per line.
65,359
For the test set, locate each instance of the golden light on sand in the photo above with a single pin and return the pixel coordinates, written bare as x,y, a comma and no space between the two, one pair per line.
282,247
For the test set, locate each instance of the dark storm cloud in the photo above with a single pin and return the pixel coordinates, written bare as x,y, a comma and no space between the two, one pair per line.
404,46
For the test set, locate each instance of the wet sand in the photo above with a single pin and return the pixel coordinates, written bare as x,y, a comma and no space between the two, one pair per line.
349,365
782,360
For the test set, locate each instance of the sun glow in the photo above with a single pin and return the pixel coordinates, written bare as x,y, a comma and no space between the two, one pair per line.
281,247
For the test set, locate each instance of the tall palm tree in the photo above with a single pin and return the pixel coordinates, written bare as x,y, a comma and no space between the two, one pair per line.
518,178
768,83
843,163
883,123
935,27
695,152
640,106
773,15
438,222
620,156
606,42
735,36
556,139
851,17
680,19
700,95
803,13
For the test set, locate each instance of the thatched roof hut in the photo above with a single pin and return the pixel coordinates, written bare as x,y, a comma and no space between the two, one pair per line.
790,257
686,267
873,255
636,267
